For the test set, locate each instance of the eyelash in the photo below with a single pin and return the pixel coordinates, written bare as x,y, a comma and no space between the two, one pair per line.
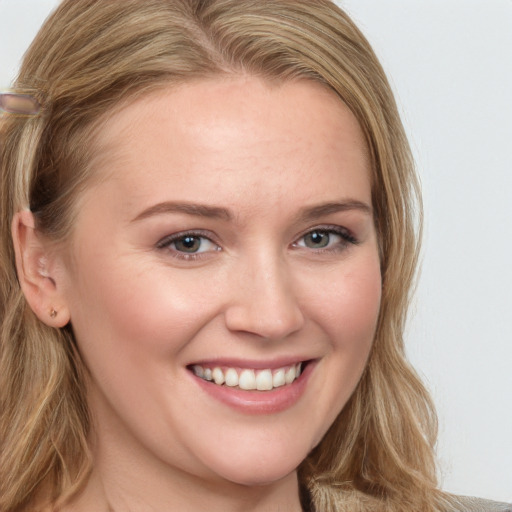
346,239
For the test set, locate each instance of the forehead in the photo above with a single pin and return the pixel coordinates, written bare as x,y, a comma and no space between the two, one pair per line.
232,129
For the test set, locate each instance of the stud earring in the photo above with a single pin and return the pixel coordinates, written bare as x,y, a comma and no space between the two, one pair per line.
53,313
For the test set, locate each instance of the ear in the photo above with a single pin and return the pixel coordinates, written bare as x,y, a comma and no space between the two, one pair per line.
36,267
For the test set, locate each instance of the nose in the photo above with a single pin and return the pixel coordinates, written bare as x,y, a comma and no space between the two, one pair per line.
265,302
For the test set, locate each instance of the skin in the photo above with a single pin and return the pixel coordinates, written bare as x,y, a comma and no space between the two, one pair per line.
142,312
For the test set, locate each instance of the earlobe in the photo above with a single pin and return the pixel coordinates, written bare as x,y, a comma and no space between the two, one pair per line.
34,267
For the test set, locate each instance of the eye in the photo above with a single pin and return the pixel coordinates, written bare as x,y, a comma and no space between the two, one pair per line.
317,239
328,238
188,245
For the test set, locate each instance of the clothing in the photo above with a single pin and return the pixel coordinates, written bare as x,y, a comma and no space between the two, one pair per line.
469,504
462,504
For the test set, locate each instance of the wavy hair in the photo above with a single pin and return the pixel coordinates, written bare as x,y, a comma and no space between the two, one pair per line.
89,58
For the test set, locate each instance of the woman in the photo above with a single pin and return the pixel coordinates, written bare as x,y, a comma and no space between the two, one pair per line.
208,245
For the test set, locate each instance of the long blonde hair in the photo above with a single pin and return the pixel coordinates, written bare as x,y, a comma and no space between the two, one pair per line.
89,57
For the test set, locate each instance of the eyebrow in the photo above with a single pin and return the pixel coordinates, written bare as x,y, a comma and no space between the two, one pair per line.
218,212
194,209
321,210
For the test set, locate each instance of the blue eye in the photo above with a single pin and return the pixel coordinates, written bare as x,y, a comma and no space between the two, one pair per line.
187,245
326,238
317,239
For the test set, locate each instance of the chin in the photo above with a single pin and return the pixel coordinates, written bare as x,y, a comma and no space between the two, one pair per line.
259,478
257,473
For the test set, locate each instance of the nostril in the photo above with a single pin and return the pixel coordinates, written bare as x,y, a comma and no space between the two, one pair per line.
269,320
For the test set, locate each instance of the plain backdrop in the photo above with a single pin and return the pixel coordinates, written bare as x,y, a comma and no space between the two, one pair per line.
450,65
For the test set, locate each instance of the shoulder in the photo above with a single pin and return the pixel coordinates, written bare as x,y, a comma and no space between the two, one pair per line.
469,504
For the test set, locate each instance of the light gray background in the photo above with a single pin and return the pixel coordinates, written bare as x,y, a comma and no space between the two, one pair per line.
450,65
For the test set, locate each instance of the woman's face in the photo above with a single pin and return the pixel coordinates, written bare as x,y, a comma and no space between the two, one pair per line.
230,237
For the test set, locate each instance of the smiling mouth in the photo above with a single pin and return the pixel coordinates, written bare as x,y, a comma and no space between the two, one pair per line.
248,379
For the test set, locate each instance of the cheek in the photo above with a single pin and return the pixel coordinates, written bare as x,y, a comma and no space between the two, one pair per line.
133,330
139,312
351,305
152,312
348,314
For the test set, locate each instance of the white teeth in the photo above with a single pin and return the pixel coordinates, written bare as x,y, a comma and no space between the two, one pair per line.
198,370
248,379
218,376
264,380
278,379
290,375
231,377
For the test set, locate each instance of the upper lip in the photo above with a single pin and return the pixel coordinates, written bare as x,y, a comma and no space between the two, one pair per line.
254,364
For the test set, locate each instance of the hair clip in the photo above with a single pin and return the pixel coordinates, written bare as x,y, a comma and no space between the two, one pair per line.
19,103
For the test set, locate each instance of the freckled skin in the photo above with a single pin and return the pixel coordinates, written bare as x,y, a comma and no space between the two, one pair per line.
142,313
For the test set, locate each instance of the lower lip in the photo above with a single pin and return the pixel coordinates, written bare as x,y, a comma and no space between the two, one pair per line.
259,402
